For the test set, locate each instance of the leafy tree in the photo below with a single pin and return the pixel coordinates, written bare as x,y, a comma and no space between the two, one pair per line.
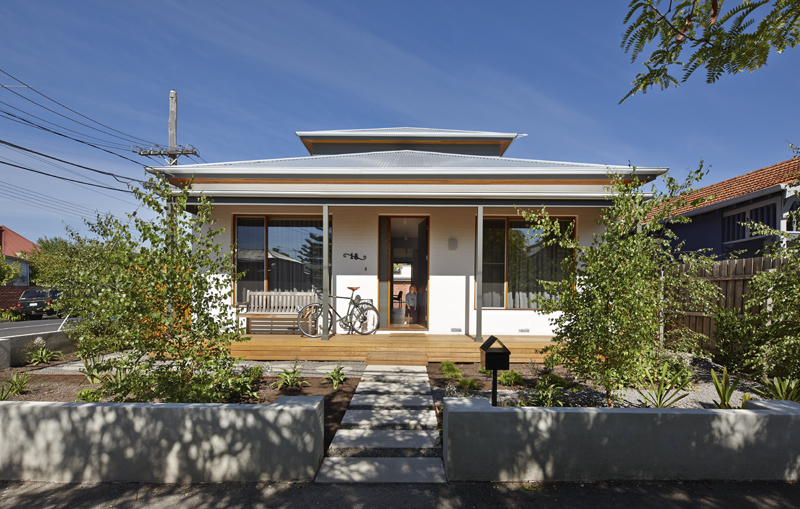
624,288
156,294
8,271
692,34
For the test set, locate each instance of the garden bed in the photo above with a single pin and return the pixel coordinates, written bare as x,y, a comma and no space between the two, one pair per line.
701,393
66,388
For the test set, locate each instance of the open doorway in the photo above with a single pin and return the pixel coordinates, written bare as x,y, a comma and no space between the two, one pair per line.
405,252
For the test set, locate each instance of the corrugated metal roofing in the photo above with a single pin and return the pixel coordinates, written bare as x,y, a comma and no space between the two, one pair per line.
399,159
423,132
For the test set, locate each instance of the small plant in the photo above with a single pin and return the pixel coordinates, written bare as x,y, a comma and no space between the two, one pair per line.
40,354
10,315
510,378
336,377
19,383
664,387
724,387
6,391
545,394
90,370
450,370
89,395
469,384
289,378
484,371
554,379
780,388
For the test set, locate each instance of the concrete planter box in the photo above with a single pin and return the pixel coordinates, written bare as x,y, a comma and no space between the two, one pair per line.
13,349
162,443
485,443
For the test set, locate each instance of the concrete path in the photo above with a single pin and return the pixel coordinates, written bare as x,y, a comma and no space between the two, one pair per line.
389,433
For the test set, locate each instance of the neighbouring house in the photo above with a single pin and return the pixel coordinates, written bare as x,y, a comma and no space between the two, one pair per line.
718,223
15,248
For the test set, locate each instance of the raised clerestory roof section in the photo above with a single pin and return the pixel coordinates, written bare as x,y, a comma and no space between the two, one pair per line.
451,141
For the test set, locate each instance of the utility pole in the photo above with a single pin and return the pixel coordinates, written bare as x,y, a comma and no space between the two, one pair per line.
174,150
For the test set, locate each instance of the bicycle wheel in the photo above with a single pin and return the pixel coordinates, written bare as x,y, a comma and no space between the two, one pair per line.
364,318
309,320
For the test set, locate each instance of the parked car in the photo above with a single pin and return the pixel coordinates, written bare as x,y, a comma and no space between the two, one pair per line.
34,303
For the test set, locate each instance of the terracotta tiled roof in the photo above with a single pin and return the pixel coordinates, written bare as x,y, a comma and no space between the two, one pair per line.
785,172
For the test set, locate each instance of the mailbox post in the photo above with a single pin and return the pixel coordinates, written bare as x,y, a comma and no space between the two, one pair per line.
494,356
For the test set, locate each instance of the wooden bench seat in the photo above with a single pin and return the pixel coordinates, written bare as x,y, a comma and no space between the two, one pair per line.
273,312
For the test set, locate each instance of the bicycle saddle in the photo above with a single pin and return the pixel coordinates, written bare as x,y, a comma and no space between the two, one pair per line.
353,288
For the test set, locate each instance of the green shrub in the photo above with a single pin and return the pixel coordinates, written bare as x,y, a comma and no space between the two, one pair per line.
544,394
510,378
6,391
550,378
780,388
725,387
663,387
450,370
469,384
485,371
89,396
737,341
10,315
336,377
19,383
290,378
38,353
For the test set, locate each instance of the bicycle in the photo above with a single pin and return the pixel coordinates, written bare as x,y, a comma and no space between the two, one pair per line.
361,316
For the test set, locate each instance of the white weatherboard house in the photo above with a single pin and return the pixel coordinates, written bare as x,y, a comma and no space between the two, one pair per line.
410,211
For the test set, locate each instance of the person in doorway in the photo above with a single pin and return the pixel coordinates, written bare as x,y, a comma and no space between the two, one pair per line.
411,305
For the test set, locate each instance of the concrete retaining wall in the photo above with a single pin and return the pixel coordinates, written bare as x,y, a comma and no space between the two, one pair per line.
485,443
14,349
163,443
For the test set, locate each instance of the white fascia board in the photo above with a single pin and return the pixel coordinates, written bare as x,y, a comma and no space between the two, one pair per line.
412,132
738,199
389,194
455,171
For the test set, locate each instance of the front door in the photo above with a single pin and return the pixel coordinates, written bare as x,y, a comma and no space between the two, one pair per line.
403,272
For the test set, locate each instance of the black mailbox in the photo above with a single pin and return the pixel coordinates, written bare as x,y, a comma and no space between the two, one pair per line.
494,355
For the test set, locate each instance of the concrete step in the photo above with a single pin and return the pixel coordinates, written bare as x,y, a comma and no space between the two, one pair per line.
393,388
395,377
385,443
381,470
394,368
390,401
390,419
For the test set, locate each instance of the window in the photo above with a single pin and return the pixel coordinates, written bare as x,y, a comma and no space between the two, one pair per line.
733,228
250,259
515,261
278,254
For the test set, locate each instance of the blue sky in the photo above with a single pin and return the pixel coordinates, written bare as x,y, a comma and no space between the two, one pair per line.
249,74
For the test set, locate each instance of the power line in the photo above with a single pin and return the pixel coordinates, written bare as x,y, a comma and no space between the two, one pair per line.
116,176
104,142
27,200
72,110
39,126
67,205
64,178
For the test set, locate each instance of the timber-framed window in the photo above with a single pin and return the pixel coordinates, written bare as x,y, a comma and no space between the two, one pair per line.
516,261
278,253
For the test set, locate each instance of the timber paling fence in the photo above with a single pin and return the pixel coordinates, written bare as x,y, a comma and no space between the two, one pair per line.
733,277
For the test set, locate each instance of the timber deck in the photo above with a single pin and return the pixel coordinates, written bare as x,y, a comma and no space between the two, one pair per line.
393,348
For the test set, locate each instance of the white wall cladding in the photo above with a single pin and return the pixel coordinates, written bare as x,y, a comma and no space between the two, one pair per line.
452,246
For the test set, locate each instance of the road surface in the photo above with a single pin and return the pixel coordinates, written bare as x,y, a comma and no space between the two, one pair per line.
29,327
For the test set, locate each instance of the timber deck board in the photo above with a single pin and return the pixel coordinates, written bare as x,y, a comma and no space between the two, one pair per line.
381,348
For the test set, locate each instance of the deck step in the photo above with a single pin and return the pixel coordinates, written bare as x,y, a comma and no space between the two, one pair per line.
394,369
390,419
381,470
394,377
393,388
385,443
390,401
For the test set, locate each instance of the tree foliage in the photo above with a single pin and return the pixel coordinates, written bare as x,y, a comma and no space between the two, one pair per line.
8,271
626,286
768,331
156,294
684,36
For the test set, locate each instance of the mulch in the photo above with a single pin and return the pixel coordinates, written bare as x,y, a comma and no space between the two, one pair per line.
529,373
